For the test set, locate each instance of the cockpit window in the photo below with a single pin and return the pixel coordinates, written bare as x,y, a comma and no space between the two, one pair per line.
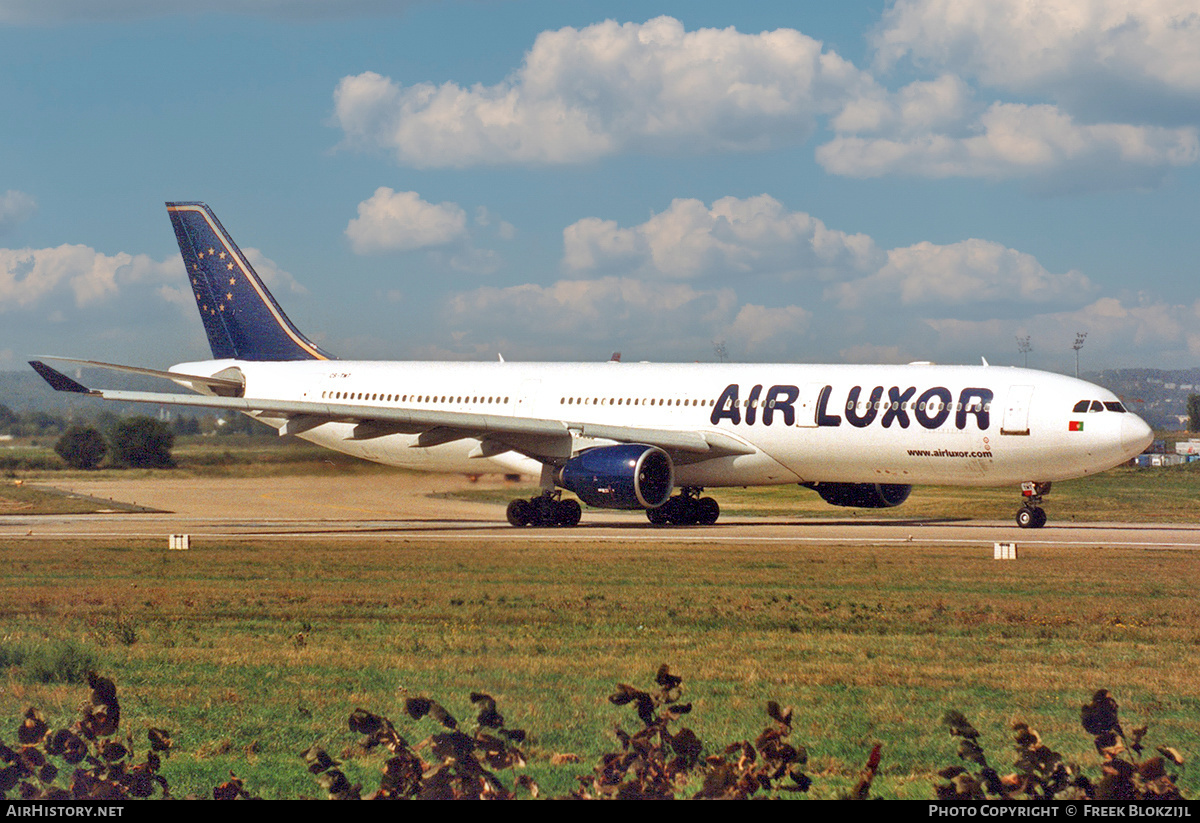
1096,406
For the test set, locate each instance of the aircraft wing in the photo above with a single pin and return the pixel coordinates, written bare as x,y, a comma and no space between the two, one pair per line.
219,385
550,441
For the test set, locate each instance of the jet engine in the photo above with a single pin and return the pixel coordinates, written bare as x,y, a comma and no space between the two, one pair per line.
630,476
862,495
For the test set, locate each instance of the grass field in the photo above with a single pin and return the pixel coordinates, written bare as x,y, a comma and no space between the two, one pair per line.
250,653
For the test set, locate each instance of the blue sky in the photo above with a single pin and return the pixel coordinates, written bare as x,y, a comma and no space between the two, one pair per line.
807,182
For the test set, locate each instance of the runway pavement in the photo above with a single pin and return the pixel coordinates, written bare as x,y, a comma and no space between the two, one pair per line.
410,508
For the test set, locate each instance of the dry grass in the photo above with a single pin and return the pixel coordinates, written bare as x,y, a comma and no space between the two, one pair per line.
267,647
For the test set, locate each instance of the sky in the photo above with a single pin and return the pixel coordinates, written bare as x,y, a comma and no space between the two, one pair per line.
800,181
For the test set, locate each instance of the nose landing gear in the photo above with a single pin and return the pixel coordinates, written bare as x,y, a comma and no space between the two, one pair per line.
1031,515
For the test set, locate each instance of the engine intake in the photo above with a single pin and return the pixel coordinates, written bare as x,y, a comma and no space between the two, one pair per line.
631,476
862,495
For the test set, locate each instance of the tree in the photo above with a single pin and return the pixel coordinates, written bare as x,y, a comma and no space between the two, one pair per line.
8,419
82,447
1193,410
185,424
40,423
143,443
239,424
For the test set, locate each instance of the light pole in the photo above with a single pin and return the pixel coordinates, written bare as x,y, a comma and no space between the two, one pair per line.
1024,348
1080,336
719,349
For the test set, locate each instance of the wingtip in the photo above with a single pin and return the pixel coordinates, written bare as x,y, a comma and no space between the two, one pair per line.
57,380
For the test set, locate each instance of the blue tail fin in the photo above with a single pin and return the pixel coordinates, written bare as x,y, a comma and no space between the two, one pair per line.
242,319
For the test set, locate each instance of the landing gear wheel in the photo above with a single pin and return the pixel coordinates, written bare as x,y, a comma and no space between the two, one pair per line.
567,513
707,511
542,511
686,509
1031,517
679,511
520,513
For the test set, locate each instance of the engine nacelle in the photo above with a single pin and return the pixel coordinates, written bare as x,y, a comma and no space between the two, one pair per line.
863,495
631,476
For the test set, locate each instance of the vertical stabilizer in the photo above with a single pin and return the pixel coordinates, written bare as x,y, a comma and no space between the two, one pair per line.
241,318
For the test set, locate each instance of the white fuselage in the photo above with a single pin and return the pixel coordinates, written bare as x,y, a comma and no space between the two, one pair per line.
919,423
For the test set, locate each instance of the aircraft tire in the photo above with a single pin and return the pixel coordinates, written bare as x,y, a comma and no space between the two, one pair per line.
707,511
657,516
519,513
567,513
1031,517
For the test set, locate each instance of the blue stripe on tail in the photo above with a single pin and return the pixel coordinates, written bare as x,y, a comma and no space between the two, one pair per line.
241,318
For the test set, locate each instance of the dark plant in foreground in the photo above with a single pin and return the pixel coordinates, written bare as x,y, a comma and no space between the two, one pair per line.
90,760
88,757
656,762
1040,773
460,766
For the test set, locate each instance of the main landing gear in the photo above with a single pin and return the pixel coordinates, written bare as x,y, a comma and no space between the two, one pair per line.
1031,515
687,508
547,509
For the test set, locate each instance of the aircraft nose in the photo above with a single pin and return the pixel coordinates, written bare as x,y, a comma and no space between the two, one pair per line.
1135,435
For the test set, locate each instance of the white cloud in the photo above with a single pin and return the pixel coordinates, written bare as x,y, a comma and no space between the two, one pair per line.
1096,55
968,272
30,276
760,330
921,106
609,87
275,278
734,237
1146,331
1039,143
582,319
15,206
1125,91
401,221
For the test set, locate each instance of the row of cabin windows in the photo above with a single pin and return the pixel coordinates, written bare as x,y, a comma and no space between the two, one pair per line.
407,398
628,401
1096,406
932,405
862,405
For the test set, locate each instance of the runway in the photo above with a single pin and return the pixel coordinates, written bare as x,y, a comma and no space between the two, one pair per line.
415,508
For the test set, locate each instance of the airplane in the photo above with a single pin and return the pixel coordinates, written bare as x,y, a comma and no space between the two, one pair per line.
649,436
